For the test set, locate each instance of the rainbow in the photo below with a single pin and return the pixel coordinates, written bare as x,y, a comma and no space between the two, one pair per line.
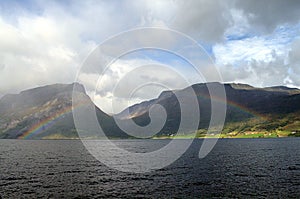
48,122
236,105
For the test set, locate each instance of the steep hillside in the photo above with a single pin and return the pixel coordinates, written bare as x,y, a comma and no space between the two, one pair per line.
248,108
46,112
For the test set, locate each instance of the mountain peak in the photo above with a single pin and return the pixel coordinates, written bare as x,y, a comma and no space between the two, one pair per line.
240,86
55,88
19,113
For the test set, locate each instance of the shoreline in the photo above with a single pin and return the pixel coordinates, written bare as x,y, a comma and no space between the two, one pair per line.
158,138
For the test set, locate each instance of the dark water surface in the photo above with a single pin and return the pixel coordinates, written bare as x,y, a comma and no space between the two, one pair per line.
236,168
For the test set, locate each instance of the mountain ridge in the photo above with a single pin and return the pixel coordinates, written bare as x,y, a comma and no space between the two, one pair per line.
38,113
247,109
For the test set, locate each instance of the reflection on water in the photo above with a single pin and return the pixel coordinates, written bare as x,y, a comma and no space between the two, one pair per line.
235,168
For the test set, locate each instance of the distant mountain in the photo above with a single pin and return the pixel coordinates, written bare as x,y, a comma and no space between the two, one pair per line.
46,112
248,108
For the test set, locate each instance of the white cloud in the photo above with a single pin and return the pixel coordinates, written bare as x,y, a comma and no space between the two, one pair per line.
46,42
242,52
239,26
126,82
33,53
260,60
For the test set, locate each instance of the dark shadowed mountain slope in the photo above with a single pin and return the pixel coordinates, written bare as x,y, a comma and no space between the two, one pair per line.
244,103
46,112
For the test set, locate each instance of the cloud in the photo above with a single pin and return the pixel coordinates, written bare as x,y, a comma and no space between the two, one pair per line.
211,21
34,53
47,42
294,70
204,20
265,60
128,81
49,46
241,52
267,16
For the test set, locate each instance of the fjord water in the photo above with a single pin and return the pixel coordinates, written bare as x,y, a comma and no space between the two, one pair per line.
235,168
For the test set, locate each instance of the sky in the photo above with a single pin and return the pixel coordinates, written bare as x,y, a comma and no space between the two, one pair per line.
44,42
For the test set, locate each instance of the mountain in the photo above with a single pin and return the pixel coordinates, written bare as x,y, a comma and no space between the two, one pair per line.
249,109
46,112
